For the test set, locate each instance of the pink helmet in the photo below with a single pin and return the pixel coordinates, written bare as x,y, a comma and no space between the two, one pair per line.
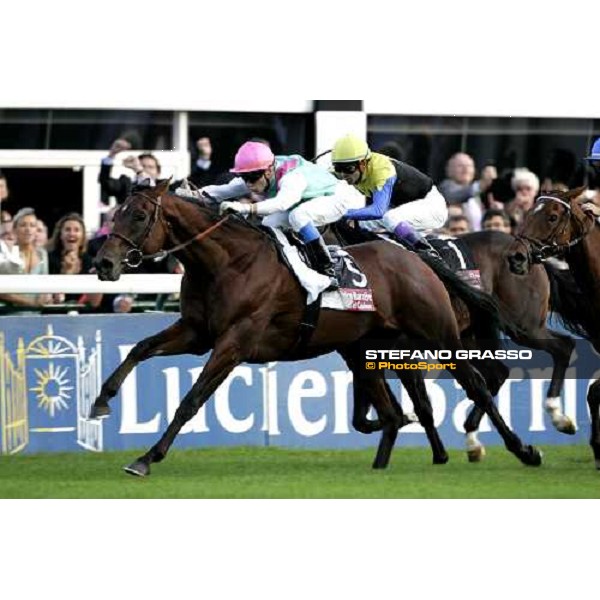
252,156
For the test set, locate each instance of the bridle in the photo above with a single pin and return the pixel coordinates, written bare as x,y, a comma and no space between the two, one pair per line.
540,250
135,255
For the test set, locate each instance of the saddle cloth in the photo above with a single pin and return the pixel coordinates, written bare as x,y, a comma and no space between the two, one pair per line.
354,293
458,256
454,252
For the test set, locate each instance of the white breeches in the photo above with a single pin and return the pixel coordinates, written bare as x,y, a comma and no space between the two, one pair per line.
430,212
318,211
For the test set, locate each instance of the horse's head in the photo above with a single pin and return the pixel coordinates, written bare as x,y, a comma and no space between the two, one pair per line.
554,224
138,229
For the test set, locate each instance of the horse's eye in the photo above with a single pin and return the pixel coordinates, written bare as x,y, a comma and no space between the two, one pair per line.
139,216
553,218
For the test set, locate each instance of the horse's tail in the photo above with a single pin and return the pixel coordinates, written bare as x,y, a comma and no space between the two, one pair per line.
488,317
573,307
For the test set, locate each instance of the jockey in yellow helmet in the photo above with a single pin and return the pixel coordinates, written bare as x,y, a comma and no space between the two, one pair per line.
400,198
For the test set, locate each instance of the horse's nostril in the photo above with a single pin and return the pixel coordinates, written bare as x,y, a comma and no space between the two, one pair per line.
519,257
105,264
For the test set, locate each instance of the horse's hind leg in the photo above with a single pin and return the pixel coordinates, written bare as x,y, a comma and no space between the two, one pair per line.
593,400
474,385
415,386
176,339
495,374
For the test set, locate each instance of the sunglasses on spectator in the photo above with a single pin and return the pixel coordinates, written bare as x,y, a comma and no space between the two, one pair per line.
345,168
6,220
252,176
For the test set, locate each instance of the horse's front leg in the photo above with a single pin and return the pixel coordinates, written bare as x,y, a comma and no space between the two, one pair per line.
176,339
226,355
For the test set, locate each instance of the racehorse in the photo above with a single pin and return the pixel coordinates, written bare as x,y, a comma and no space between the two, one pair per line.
557,226
524,299
238,299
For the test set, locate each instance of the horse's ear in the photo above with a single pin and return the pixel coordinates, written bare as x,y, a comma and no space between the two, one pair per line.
575,193
162,186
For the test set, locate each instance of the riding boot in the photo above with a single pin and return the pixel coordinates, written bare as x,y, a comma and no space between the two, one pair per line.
321,260
416,242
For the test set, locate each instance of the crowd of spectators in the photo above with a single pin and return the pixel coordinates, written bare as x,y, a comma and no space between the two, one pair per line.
478,198
487,199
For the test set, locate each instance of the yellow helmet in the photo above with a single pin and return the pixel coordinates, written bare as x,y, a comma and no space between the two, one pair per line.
349,149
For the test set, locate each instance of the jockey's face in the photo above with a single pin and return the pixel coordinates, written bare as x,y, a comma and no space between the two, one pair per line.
260,185
350,172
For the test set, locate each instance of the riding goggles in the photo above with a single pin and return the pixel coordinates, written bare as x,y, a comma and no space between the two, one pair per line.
345,168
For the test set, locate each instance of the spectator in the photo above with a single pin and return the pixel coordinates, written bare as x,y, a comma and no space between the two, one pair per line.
144,166
497,194
41,234
5,201
497,220
204,170
458,225
526,186
29,259
460,187
68,256
6,224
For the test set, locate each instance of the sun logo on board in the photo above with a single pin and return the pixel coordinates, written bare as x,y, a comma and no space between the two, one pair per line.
52,389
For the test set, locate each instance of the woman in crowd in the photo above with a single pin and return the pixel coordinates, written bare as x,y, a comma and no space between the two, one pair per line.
68,255
27,258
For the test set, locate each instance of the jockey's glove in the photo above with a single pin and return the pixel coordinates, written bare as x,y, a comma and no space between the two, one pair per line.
243,208
188,193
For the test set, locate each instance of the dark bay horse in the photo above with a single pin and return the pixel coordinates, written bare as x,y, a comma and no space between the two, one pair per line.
525,299
557,226
241,301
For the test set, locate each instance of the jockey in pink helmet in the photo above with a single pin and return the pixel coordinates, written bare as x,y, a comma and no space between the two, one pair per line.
298,195
252,156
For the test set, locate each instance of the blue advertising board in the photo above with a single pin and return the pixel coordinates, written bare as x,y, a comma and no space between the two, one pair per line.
51,369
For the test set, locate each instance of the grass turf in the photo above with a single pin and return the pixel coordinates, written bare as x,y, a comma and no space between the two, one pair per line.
567,472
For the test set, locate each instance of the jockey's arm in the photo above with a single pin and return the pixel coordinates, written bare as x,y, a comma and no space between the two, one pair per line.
379,206
234,189
291,188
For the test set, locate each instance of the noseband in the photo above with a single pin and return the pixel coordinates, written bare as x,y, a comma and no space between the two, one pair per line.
537,250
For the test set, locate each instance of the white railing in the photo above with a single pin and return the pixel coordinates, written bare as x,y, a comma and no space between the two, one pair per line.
89,284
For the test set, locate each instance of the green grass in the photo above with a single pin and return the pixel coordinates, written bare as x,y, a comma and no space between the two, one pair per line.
568,472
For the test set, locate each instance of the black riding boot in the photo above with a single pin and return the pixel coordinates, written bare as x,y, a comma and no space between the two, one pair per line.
321,260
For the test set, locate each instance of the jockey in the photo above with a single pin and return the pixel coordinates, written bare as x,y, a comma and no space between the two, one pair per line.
299,194
400,198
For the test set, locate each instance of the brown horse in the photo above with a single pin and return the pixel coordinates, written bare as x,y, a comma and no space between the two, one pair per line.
525,299
557,226
238,299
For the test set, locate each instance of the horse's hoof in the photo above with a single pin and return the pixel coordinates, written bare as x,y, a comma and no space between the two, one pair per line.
441,460
138,468
99,410
476,454
532,457
566,425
